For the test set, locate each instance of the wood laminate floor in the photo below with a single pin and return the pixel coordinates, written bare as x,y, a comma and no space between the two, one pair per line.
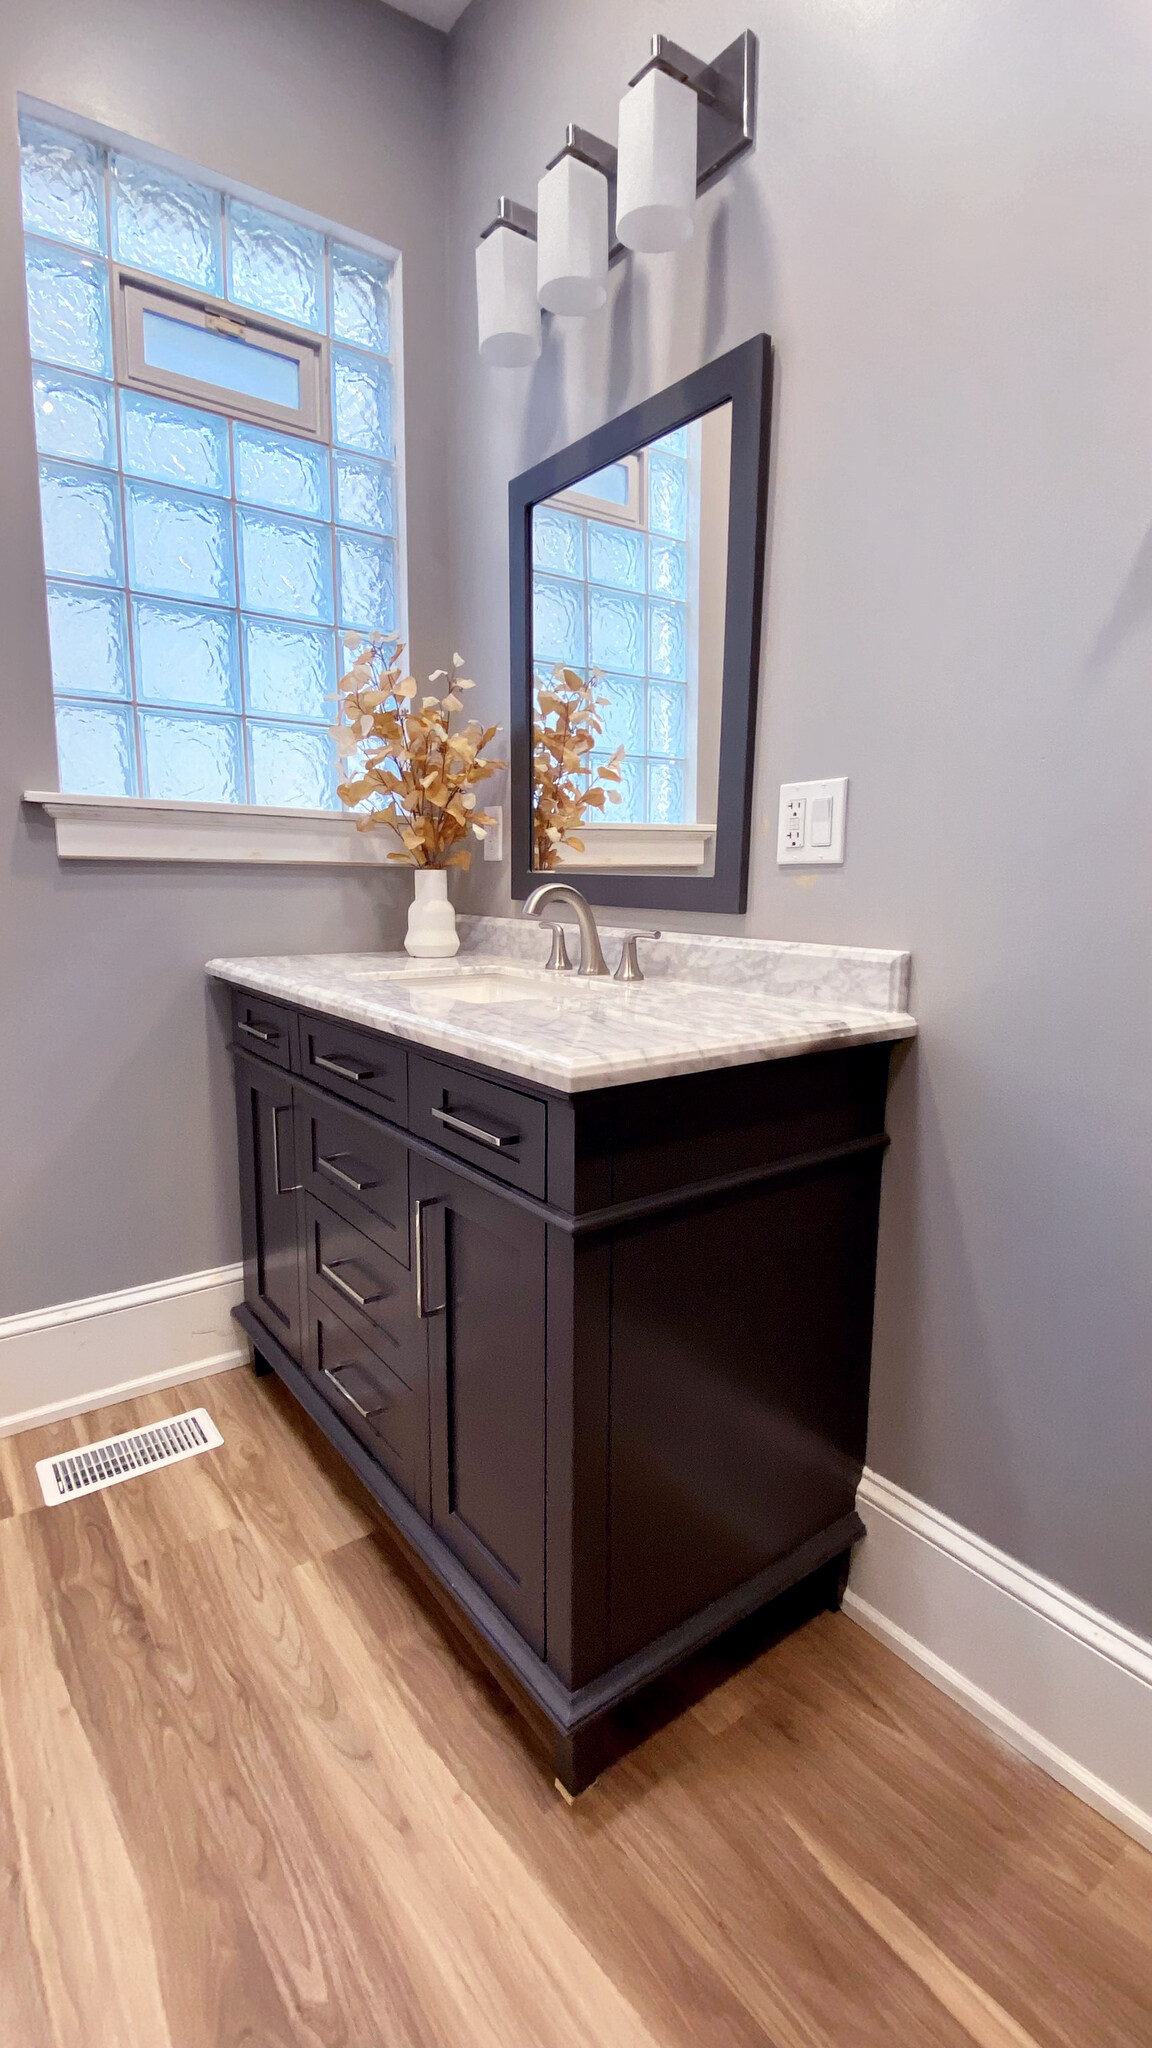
252,1797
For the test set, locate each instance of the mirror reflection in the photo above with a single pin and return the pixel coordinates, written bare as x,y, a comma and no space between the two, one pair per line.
629,580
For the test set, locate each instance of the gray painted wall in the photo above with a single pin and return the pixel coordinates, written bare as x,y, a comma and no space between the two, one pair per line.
116,1120
945,227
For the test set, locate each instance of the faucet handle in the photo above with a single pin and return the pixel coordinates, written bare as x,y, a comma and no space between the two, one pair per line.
629,968
558,961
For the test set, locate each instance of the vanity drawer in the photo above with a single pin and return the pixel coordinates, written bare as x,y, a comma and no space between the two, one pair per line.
482,1122
365,1069
265,1028
389,1417
356,1166
364,1285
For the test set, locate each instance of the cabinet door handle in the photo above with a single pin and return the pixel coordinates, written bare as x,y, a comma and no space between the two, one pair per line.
477,1131
422,1308
258,1031
347,1180
332,1275
279,1110
365,1413
346,1072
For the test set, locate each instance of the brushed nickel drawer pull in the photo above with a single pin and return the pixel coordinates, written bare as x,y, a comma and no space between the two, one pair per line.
346,1073
422,1309
347,1180
279,1110
365,1413
258,1031
477,1131
332,1275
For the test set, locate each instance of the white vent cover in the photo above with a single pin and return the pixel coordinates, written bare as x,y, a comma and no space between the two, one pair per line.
121,1457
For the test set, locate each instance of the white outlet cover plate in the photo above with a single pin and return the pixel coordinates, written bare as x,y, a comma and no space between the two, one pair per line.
807,855
494,834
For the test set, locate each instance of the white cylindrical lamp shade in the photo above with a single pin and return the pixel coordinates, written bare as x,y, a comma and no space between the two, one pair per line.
572,238
509,316
656,174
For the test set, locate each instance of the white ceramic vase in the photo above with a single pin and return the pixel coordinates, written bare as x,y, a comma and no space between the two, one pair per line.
431,931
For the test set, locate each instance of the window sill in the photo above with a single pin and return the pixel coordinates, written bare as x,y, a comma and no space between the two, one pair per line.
640,848
150,829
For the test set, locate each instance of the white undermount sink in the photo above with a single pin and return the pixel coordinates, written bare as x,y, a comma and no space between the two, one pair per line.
481,988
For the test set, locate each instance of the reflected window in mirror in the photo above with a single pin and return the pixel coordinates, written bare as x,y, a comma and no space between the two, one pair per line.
636,581
628,574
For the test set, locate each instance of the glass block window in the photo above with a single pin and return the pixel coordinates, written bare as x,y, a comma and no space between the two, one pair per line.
202,564
617,594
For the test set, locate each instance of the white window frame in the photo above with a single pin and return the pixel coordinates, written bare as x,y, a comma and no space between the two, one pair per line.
631,513
157,830
135,293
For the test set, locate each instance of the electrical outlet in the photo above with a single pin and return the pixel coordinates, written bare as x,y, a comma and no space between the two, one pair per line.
811,829
494,833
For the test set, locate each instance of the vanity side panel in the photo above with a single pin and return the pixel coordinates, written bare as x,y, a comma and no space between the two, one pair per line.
741,1344
577,1437
699,1127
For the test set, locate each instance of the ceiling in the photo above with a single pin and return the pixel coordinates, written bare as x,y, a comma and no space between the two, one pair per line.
441,13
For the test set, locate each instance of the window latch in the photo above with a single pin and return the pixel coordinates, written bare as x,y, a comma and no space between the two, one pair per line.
221,323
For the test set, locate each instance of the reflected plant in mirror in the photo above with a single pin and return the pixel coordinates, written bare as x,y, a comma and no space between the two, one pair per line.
568,782
405,768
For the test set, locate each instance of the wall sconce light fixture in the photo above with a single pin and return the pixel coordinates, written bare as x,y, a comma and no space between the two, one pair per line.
509,313
657,179
575,202
683,123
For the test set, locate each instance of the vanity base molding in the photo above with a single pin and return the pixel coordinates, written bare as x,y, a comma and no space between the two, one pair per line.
580,1731
601,1359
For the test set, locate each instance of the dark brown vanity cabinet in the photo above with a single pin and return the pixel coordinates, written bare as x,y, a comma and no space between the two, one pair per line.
602,1359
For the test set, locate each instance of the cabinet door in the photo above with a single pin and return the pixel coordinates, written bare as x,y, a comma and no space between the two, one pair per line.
269,1200
481,1274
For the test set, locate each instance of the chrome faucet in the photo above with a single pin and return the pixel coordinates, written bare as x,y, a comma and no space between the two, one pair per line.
592,959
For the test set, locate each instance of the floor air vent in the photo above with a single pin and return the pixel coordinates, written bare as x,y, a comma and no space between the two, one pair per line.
121,1457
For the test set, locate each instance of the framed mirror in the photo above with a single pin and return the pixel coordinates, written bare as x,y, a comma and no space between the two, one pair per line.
637,576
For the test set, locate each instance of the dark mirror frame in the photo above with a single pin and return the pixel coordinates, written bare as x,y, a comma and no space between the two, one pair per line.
743,377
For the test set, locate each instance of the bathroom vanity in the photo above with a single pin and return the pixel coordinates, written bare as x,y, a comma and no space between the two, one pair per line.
578,1277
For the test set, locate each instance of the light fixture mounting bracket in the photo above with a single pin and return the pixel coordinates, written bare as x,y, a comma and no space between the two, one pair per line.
726,91
510,214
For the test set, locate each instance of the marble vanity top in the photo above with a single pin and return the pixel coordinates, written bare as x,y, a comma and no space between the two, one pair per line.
705,1001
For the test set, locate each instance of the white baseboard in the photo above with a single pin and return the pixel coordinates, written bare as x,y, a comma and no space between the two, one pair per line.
82,1355
1056,1678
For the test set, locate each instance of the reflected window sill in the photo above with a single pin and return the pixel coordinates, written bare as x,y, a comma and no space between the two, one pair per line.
641,849
132,828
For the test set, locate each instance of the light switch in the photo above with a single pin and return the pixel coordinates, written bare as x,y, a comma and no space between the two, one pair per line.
811,830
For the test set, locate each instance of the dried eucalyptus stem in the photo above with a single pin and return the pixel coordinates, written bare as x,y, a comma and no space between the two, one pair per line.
409,755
